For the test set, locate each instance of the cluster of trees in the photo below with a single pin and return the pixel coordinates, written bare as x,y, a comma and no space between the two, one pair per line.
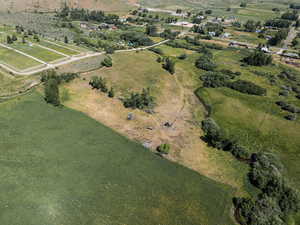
288,107
100,83
247,87
214,27
218,29
51,81
11,39
151,30
217,138
258,58
136,39
205,62
60,78
86,15
279,23
169,65
295,6
251,25
279,37
290,15
193,44
142,100
223,79
276,201
169,34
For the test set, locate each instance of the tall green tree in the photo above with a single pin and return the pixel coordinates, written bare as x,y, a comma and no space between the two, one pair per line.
52,92
169,65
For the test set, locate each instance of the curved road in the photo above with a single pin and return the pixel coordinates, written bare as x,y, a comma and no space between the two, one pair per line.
72,59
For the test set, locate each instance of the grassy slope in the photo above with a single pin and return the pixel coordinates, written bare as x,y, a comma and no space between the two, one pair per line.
256,121
61,167
106,5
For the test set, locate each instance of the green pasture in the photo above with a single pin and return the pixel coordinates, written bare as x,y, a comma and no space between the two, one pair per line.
37,52
61,167
16,60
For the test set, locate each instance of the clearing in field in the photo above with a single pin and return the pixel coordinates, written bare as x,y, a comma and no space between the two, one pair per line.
16,60
62,167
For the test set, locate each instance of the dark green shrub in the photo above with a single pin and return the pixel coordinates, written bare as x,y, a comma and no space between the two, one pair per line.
164,149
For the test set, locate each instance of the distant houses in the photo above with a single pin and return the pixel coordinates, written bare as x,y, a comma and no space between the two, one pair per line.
95,27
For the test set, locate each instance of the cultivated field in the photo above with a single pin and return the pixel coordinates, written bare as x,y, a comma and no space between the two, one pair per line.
61,167
22,56
16,60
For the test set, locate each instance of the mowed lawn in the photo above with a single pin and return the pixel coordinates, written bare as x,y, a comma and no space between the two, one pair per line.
37,52
16,60
59,166
59,48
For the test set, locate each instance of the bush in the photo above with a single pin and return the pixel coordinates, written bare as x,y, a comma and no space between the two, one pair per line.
140,100
163,148
52,92
98,83
258,58
247,87
205,63
64,77
291,117
169,65
182,56
107,62
136,39
111,93
157,51
214,79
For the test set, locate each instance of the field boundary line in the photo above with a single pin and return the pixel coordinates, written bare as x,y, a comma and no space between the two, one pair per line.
52,50
23,53
61,46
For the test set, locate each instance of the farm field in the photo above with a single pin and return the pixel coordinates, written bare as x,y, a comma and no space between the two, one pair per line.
37,52
16,60
61,167
59,48
99,125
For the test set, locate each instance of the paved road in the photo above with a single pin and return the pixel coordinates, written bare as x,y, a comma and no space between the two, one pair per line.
70,60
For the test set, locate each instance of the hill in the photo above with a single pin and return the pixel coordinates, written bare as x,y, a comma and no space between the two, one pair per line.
45,5
62,167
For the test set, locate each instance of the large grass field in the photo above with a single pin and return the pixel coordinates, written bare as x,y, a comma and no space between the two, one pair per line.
59,166
16,60
37,52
